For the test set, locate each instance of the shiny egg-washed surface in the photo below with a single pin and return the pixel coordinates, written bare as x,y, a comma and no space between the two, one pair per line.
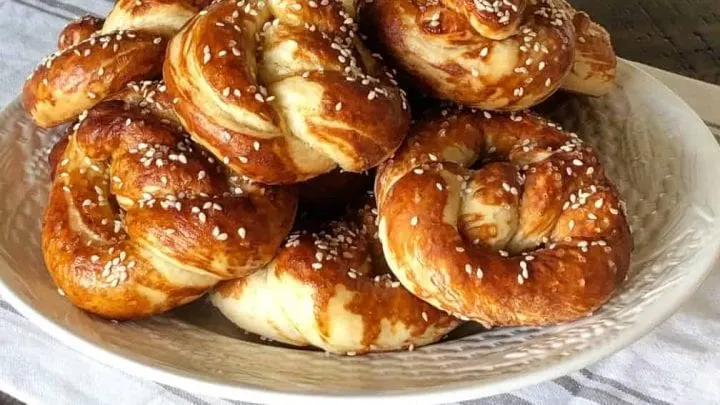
656,151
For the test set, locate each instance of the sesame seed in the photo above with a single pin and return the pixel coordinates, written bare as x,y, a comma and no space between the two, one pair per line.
599,203
479,273
242,233
520,279
425,316
571,224
484,52
414,221
317,266
577,162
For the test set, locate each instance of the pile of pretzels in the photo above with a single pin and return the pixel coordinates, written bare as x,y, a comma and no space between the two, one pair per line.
263,153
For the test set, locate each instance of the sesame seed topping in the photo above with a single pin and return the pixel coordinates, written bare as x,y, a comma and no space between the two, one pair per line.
414,221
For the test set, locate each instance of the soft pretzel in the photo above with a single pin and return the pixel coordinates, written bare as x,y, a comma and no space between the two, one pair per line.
595,65
498,55
159,17
282,91
535,235
332,289
140,220
79,30
90,65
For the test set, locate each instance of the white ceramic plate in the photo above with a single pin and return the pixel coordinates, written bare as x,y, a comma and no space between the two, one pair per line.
663,159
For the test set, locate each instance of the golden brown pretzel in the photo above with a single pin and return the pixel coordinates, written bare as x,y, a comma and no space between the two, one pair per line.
535,236
595,65
159,17
282,91
92,65
79,30
140,220
498,55
71,81
332,289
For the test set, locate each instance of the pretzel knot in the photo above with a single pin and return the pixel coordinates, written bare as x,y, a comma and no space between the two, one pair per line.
535,235
140,220
330,287
90,65
282,91
500,55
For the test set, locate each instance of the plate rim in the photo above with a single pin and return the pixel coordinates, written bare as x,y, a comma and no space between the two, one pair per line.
708,257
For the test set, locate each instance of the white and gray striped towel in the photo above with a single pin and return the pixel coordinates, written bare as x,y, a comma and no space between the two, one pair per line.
679,363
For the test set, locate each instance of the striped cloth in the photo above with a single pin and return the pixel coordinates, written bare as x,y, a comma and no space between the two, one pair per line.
677,364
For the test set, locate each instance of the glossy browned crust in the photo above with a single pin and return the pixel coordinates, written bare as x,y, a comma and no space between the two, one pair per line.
179,230
159,17
351,261
98,57
459,52
71,81
569,250
595,65
494,20
79,30
281,116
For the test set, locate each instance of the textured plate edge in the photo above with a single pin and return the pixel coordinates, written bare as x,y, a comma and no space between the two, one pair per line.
454,392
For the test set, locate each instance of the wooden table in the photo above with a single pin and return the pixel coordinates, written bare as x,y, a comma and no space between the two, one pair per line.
682,36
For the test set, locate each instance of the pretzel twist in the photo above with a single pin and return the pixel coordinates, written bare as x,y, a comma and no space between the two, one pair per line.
158,17
79,30
332,289
140,220
90,65
498,55
534,236
282,91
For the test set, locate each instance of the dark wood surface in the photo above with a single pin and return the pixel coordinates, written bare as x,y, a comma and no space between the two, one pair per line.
682,36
